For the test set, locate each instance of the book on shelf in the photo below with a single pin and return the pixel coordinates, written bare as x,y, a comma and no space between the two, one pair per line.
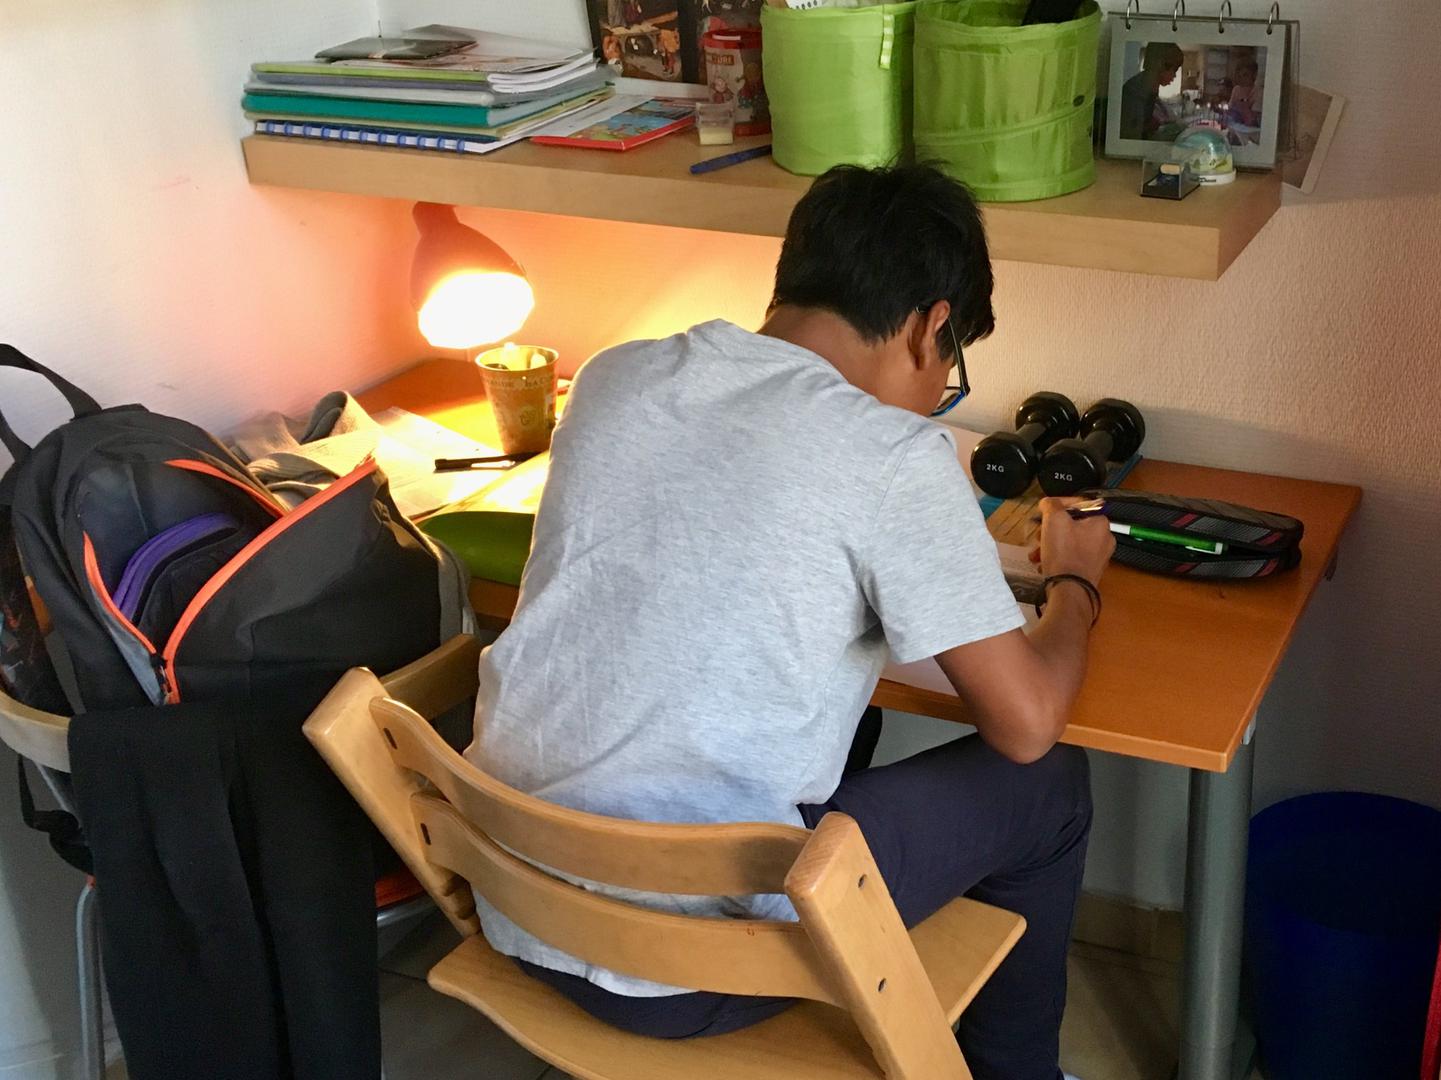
405,113
398,47
506,63
635,123
420,137
663,39
407,140
419,93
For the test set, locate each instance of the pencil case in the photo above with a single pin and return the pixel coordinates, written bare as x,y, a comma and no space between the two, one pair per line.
1258,543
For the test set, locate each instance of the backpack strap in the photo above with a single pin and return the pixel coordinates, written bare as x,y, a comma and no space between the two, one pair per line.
63,828
81,403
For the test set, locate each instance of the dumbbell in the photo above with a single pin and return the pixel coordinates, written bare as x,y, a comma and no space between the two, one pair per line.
1004,464
1111,430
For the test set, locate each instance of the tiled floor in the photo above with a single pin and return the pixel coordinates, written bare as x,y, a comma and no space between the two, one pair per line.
1120,1024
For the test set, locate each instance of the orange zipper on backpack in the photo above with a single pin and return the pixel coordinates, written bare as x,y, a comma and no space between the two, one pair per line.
97,582
264,500
244,555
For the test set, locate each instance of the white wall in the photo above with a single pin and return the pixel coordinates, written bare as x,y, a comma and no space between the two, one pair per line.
1316,356
562,21
139,262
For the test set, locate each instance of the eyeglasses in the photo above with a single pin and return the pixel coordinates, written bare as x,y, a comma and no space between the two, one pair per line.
962,386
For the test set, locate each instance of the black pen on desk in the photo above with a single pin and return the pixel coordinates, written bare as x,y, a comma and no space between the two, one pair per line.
712,164
468,464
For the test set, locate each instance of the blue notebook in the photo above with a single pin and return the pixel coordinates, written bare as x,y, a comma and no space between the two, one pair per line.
409,140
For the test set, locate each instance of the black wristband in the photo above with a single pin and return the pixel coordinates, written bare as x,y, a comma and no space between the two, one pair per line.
1091,591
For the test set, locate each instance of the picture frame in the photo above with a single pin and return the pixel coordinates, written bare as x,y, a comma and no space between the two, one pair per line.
1318,114
1225,72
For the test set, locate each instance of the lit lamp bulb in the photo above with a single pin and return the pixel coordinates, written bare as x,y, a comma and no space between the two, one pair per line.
467,292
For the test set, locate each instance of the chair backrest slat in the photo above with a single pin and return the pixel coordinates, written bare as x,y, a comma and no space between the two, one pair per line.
701,860
342,730
727,956
438,681
458,828
39,736
844,905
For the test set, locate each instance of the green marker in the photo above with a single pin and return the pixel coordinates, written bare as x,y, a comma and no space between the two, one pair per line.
1160,536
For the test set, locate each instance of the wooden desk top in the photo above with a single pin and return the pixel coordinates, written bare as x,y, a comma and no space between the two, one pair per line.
1178,668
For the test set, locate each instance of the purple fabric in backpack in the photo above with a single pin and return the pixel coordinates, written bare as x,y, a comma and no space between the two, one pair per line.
160,549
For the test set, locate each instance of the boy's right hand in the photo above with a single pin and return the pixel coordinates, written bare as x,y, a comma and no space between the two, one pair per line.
1074,546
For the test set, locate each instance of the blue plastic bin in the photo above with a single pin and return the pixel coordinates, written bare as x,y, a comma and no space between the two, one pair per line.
1343,913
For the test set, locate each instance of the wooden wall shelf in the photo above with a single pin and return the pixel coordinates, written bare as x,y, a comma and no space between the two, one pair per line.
1108,226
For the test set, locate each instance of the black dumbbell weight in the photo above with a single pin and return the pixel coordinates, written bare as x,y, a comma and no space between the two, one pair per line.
1111,430
1004,464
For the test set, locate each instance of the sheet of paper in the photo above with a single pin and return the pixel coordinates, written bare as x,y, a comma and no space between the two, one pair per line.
516,491
407,451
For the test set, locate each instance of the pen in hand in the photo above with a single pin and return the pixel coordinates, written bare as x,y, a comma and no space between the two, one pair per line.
1142,532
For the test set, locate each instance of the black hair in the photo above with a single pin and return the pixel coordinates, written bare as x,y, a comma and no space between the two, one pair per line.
1161,54
873,245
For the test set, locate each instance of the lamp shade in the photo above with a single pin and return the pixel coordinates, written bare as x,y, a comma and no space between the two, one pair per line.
467,292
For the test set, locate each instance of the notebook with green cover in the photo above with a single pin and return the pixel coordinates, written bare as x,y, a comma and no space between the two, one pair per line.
378,70
458,129
393,112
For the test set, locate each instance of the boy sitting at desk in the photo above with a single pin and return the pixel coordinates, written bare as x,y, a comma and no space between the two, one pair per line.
736,530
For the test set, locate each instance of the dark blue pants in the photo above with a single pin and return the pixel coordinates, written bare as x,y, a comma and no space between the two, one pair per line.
956,820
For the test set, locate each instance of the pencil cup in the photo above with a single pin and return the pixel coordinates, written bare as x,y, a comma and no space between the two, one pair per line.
520,383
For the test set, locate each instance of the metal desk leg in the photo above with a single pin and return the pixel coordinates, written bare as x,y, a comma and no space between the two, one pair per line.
1211,1047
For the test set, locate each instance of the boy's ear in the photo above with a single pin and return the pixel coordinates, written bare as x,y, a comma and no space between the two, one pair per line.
925,328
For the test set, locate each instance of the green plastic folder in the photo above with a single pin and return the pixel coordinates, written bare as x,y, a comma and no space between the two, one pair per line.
493,544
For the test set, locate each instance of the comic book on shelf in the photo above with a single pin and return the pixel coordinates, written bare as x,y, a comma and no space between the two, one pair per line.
661,39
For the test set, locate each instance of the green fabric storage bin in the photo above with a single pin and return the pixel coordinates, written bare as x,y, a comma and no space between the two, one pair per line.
1006,109
839,83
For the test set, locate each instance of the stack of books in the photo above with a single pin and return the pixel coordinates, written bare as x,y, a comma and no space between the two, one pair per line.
432,88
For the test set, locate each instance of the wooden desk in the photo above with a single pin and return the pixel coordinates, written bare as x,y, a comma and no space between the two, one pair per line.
1178,670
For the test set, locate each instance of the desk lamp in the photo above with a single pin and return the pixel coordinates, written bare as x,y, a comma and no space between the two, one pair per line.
466,290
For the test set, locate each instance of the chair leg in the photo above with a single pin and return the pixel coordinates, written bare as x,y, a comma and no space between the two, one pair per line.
92,1004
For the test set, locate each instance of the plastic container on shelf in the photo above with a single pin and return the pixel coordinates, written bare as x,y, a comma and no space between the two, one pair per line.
839,84
734,75
715,123
1005,108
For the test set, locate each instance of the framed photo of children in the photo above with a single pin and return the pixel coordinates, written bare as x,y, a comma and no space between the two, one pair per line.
1169,74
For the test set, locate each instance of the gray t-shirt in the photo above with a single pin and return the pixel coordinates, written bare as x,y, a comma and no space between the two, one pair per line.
730,539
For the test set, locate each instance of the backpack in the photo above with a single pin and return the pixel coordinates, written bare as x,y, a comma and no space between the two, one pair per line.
167,573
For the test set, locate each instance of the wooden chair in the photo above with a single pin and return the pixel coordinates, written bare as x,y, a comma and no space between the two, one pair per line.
877,1001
